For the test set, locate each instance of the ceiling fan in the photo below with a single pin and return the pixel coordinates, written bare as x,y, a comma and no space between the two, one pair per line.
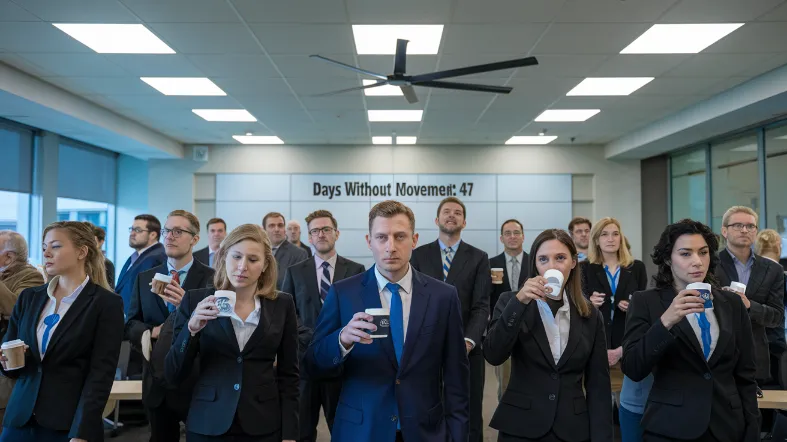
406,82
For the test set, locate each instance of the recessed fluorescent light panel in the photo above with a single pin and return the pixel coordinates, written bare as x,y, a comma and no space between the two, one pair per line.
381,91
382,140
183,86
395,115
567,115
257,139
607,86
116,39
381,39
406,140
531,139
679,38
225,114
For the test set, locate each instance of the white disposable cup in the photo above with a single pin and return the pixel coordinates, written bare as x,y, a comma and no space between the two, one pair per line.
555,282
738,287
14,351
382,319
160,281
225,302
705,291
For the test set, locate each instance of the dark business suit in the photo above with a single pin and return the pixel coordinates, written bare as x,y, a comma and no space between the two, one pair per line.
301,281
166,406
691,396
110,269
65,393
306,248
203,256
633,278
470,274
287,255
544,397
501,261
765,290
429,387
240,391
154,256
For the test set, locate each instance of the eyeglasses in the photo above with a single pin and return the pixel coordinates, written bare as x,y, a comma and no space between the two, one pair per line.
325,230
739,227
515,233
176,233
136,230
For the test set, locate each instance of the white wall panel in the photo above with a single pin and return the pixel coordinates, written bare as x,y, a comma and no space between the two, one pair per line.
236,213
348,215
536,216
252,187
546,188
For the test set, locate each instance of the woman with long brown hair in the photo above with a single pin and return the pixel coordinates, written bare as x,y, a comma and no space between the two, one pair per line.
72,328
241,395
556,343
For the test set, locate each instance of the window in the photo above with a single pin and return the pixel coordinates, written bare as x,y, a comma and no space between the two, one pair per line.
688,186
97,213
735,177
776,182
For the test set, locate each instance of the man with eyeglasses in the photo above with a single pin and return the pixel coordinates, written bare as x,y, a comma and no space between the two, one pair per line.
285,253
579,229
763,278
309,281
294,236
515,263
149,324
148,253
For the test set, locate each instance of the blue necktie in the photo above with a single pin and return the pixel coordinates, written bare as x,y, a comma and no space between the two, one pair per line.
702,320
50,322
447,262
210,258
397,332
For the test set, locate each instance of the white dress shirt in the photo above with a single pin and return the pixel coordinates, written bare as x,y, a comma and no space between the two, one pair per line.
331,269
714,328
510,268
244,329
405,292
52,308
557,327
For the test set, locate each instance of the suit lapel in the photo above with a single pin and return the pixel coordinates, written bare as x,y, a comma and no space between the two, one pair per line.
164,270
573,335
601,276
686,333
506,277
625,278
722,311
757,276
370,298
75,311
460,258
341,269
226,324
729,267
418,304
310,276
267,311
524,269
539,333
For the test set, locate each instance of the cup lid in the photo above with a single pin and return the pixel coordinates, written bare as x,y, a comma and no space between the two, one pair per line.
698,286
12,344
737,285
163,278
224,293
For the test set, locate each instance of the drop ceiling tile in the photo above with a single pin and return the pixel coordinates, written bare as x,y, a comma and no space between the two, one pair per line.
562,66
585,38
206,38
103,85
506,11
772,62
718,11
145,65
502,39
66,65
469,102
631,65
269,105
399,12
182,11
383,64
305,39
349,101
156,104
310,86
291,11
726,84
303,66
259,86
398,102
234,65
677,86
10,11
23,65
23,37
717,65
777,14
750,38
527,89
613,11
79,11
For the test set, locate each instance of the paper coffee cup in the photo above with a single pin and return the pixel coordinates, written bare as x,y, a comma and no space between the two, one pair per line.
497,275
705,292
159,283
555,282
225,302
738,287
14,351
382,319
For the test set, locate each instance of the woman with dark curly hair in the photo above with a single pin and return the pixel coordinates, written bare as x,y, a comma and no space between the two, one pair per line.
701,353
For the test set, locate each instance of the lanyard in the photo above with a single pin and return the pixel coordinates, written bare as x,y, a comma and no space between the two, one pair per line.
613,279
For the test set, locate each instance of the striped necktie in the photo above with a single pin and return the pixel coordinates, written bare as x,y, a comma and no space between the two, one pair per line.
325,280
447,262
176,278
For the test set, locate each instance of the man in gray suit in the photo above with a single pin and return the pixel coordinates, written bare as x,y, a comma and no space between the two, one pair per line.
285,253
309,281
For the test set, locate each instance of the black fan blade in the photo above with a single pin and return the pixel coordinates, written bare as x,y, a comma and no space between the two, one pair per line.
400,62
350,67
409,93
465,86
358,88
478,69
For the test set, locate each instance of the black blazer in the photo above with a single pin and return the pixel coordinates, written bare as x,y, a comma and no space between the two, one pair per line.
147,311
500,261
306,248
765,290
110,269
633,278
543,396
690,395
243,383
470,275
202,255
286,255
68,390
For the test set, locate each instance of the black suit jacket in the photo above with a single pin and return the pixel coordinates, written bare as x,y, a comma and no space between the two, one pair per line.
152,257
543,396
765,290
633,278
110,269
500,261
691,395
470,275
306,248
68,389
240,382
203,256
147,311
286,255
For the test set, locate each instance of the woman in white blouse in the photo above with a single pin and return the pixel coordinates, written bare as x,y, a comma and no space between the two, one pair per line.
241,393
557,346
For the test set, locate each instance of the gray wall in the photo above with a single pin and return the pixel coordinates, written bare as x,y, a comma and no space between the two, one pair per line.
654,173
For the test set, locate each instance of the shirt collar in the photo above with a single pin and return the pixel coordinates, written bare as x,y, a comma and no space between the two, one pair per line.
140,252
50,290
405,284
736,261
455,247
518,257
331,261
566,307
185,268
254,316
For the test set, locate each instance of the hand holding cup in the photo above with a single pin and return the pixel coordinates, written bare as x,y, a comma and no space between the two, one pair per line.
534,289
206,311
685,303
357,330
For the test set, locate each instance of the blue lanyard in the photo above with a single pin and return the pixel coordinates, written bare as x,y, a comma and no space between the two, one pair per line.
613,279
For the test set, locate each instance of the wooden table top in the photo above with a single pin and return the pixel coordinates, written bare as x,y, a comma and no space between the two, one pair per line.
126,390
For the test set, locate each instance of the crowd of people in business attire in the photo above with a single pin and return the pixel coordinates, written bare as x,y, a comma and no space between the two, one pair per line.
302,335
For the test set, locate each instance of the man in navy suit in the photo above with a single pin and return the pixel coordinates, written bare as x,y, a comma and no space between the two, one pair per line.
143,237
412,384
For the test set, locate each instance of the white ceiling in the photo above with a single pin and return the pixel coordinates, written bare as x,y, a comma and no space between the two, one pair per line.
257,51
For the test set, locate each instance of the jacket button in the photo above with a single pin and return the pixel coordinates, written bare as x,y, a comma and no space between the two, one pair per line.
398,382
240,360
393,418
707,376
551,397
236,387
554,375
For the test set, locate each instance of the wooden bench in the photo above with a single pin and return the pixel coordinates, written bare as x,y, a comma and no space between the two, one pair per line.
121,391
